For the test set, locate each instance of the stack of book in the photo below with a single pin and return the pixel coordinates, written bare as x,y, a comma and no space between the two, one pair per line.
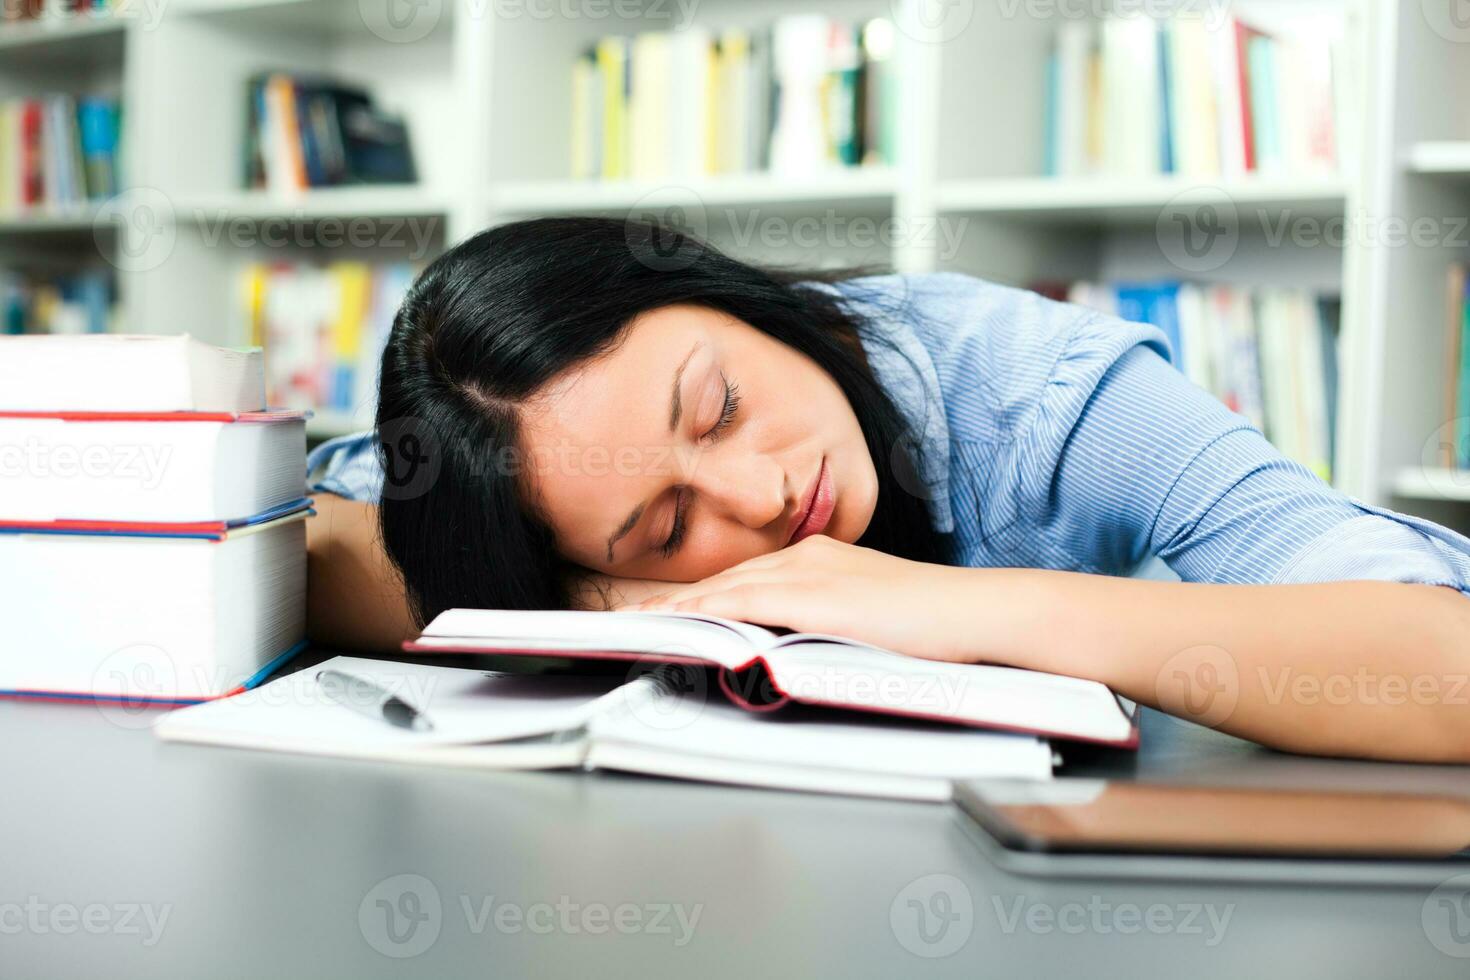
1268,353
152,520
57,150
323,329
1455,446
807,93
312,132
1130,96
48,302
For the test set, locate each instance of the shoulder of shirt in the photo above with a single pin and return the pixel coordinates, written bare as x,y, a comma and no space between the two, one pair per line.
994,349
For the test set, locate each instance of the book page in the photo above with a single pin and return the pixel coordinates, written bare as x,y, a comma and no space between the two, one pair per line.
677,636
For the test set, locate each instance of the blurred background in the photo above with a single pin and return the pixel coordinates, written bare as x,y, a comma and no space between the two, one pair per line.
1282,186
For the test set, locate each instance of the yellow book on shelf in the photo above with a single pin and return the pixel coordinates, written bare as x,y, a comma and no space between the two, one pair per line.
354,295
253,286
712,115
612,63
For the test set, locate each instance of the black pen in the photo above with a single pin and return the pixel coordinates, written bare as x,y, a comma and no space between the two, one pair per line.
371,699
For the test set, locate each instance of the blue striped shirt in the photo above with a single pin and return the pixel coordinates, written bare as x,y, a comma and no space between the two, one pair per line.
1053,436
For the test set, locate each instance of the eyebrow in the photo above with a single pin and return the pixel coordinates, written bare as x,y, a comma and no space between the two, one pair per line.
676,412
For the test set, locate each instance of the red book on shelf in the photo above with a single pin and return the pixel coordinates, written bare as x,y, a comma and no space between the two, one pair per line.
30,152
1243,35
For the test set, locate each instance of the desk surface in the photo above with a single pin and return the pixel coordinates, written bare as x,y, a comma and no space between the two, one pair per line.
126,857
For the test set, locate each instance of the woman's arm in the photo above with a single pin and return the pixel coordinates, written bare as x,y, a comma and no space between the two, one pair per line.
1366,669
354,597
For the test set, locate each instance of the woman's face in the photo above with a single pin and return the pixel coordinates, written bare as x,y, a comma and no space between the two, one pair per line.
697,443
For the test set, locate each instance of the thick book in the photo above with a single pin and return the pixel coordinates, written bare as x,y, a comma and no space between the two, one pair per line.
492,720
136,612
761,670
169,468
128,373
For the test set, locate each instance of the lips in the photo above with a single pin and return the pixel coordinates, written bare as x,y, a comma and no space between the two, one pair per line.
817,505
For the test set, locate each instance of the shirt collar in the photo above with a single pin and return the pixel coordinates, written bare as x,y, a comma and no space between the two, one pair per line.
903,366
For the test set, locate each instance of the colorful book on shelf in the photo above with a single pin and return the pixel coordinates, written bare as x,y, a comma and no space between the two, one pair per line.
1132,96
1462,401
643,724
761,670
1454,340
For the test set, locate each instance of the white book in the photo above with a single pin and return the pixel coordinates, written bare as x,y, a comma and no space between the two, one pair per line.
153,617
128,373
691,80
57,469
490,720
1193,123
764,670
1225,70
1132,96
798,140
651,106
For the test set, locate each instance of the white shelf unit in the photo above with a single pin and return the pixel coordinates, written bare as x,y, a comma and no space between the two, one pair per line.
488,97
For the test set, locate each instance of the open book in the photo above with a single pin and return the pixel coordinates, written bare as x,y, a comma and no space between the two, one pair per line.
762,670
649,725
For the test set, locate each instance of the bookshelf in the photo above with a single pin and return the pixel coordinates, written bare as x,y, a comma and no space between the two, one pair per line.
487,97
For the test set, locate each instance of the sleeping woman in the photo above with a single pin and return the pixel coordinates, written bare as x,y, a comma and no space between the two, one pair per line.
594,413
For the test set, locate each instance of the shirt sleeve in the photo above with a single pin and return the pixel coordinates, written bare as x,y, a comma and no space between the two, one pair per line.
347,466
1154,465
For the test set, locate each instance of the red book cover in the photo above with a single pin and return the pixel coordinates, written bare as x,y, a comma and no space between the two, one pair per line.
30,150
1243,34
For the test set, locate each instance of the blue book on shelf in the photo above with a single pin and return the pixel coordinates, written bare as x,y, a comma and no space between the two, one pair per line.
1155,303
1051,138
1166,97
1462,390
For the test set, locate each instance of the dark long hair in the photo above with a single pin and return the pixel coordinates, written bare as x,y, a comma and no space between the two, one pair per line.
498,316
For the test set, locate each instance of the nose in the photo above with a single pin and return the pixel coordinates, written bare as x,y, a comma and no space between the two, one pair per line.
751,488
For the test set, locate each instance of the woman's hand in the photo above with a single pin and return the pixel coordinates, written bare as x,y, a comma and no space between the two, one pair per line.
601,593
821,585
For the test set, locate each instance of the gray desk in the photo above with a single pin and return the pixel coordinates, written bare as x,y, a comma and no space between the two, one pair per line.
271,865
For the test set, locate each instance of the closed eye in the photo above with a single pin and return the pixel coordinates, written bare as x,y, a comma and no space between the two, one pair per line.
728,410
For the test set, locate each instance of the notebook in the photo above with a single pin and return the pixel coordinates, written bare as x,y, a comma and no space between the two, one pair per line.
123,373
131,612
762,670
132,467
649,725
